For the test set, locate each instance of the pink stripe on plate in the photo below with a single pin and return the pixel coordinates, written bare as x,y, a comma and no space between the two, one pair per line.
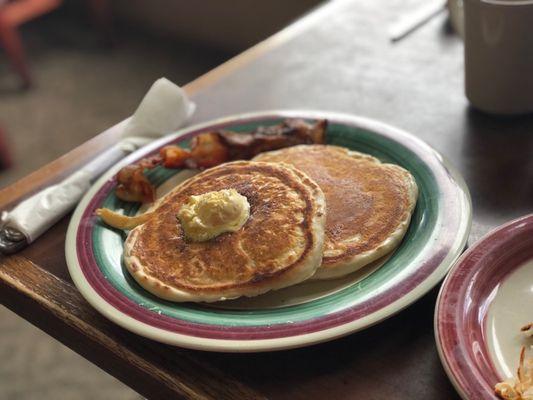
464,300
121,302
93,275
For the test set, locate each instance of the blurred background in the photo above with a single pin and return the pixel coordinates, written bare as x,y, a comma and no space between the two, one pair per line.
68,71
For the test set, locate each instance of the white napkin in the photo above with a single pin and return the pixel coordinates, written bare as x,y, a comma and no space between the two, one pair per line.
164,109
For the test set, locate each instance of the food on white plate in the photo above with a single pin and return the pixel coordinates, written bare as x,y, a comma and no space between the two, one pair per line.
244,228
521,387
213,148
369,203
239,229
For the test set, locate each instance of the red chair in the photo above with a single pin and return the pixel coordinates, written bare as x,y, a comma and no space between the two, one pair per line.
14,13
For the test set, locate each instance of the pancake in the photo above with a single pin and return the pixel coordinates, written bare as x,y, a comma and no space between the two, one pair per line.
279,245
369,204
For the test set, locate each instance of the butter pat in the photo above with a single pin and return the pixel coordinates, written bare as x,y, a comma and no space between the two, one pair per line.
208,215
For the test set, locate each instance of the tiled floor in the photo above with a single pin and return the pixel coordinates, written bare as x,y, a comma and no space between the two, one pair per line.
81,88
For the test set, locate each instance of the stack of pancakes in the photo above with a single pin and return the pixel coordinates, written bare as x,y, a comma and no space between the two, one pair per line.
316,211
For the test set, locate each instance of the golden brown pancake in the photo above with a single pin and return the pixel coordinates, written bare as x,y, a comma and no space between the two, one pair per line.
369,204
280,244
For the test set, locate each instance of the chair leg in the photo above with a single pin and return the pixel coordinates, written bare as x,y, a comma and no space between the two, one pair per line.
10,40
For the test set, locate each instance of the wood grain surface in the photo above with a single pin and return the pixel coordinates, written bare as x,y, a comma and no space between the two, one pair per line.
64,313
338,59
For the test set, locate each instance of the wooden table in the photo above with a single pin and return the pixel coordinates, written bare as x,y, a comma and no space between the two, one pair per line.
337,58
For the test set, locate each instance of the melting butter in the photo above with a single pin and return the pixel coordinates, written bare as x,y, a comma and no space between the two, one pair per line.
208,215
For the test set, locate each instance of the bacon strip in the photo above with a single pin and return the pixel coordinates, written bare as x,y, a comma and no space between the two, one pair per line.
213,148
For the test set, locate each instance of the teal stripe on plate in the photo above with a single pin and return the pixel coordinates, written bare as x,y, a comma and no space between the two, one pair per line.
108,244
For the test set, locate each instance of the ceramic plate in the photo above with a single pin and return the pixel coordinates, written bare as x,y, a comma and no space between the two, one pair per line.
483,303
300,316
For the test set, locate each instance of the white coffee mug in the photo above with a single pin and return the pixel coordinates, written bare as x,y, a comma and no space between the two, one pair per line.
498,37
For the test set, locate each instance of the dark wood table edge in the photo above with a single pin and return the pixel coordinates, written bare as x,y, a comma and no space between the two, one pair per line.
25,288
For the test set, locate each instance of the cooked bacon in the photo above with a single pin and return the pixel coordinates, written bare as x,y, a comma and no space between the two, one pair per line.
291,132
208,150
150,162
214,148
174,156
133,185
308,133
